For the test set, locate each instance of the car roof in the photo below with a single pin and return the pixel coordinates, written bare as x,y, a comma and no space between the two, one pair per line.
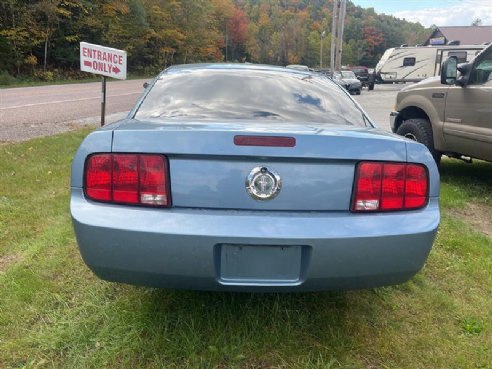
235,66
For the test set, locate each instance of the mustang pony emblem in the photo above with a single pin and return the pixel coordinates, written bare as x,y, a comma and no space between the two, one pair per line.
263,184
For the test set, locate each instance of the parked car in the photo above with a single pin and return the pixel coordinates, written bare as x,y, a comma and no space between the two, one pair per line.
364,76
450,114
252,178
353,85
298,67
336,77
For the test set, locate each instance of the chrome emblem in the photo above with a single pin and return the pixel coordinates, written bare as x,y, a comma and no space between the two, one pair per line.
263,184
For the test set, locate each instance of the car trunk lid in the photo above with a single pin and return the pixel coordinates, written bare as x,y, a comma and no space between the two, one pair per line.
209,169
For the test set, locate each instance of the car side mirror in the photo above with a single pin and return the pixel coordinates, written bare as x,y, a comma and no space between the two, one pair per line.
145,85
449,71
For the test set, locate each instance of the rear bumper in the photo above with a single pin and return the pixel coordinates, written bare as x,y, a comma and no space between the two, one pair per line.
190,248
355,86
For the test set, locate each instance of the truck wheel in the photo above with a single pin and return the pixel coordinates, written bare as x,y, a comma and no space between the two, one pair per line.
371,86
420,130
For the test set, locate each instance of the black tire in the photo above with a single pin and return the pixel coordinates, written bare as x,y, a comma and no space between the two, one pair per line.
371,86
420,130
357,92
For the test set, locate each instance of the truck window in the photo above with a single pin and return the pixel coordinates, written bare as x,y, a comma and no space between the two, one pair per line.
482,71
460,55
408,62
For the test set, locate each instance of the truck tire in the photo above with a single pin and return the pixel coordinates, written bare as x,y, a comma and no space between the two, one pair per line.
420,130
371,86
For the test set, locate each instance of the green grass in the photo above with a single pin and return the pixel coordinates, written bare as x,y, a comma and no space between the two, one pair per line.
465,182
54,313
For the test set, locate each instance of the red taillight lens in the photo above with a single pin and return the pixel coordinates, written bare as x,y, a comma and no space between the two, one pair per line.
368,195
389,186
393,186
416,187
98,177
125,179
139,179
153,181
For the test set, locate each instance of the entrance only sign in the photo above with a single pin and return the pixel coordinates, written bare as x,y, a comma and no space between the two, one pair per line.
102,60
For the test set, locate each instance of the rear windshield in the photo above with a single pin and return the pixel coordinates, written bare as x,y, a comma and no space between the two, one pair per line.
348,74
244,95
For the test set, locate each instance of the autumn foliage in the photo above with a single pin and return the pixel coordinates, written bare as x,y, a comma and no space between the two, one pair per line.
39,36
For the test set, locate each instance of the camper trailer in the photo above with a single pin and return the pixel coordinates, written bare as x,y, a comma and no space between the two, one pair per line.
415,63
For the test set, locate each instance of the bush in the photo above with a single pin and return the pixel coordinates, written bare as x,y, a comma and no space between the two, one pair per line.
6,79
47,76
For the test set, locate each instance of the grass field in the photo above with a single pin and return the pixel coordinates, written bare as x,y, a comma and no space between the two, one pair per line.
55,314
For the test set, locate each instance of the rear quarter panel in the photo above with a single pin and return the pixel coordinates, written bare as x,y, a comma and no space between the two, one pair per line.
418,153
97,141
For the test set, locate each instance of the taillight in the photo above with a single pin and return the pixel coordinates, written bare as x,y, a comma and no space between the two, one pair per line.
384,186
139,179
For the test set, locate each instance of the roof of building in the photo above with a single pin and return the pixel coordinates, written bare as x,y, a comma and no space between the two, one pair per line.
467,35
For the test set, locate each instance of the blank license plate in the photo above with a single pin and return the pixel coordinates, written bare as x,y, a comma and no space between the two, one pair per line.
260,263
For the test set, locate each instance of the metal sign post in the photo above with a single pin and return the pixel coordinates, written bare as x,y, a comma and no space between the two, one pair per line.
103,101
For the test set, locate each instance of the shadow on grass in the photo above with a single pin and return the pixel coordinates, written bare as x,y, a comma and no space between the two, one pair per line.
224,328
474,181
479,172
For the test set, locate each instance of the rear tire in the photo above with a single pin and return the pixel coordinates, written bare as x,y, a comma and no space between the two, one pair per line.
420,130
371,86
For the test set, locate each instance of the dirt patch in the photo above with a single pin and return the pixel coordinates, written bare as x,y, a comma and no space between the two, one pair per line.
6,260
479,216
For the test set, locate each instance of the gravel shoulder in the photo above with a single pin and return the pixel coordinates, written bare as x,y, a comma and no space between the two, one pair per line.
29,112
27,131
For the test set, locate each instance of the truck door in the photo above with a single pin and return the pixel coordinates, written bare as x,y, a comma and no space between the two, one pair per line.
468,112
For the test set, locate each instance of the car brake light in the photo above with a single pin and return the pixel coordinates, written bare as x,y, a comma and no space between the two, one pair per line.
140,179
385,186
273,141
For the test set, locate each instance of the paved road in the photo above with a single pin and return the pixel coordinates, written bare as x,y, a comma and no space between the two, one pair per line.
39,111
379,103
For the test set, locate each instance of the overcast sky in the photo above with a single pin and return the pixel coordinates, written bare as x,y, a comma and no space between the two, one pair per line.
438,12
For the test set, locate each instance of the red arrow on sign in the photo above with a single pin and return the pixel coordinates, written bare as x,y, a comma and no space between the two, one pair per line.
116,70
87,63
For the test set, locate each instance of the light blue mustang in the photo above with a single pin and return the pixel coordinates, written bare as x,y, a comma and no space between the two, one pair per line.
252,178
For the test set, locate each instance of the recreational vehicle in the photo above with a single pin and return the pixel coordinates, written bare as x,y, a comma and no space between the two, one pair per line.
415,63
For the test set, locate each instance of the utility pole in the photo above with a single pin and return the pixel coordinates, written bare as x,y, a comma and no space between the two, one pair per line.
337,26
321,37
226,42
333,35
341,24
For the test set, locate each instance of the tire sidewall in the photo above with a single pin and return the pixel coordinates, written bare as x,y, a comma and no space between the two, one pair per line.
421,129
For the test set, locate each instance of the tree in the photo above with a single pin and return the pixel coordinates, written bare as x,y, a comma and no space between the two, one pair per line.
159,33
15,40
46,15
237,28
476,22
